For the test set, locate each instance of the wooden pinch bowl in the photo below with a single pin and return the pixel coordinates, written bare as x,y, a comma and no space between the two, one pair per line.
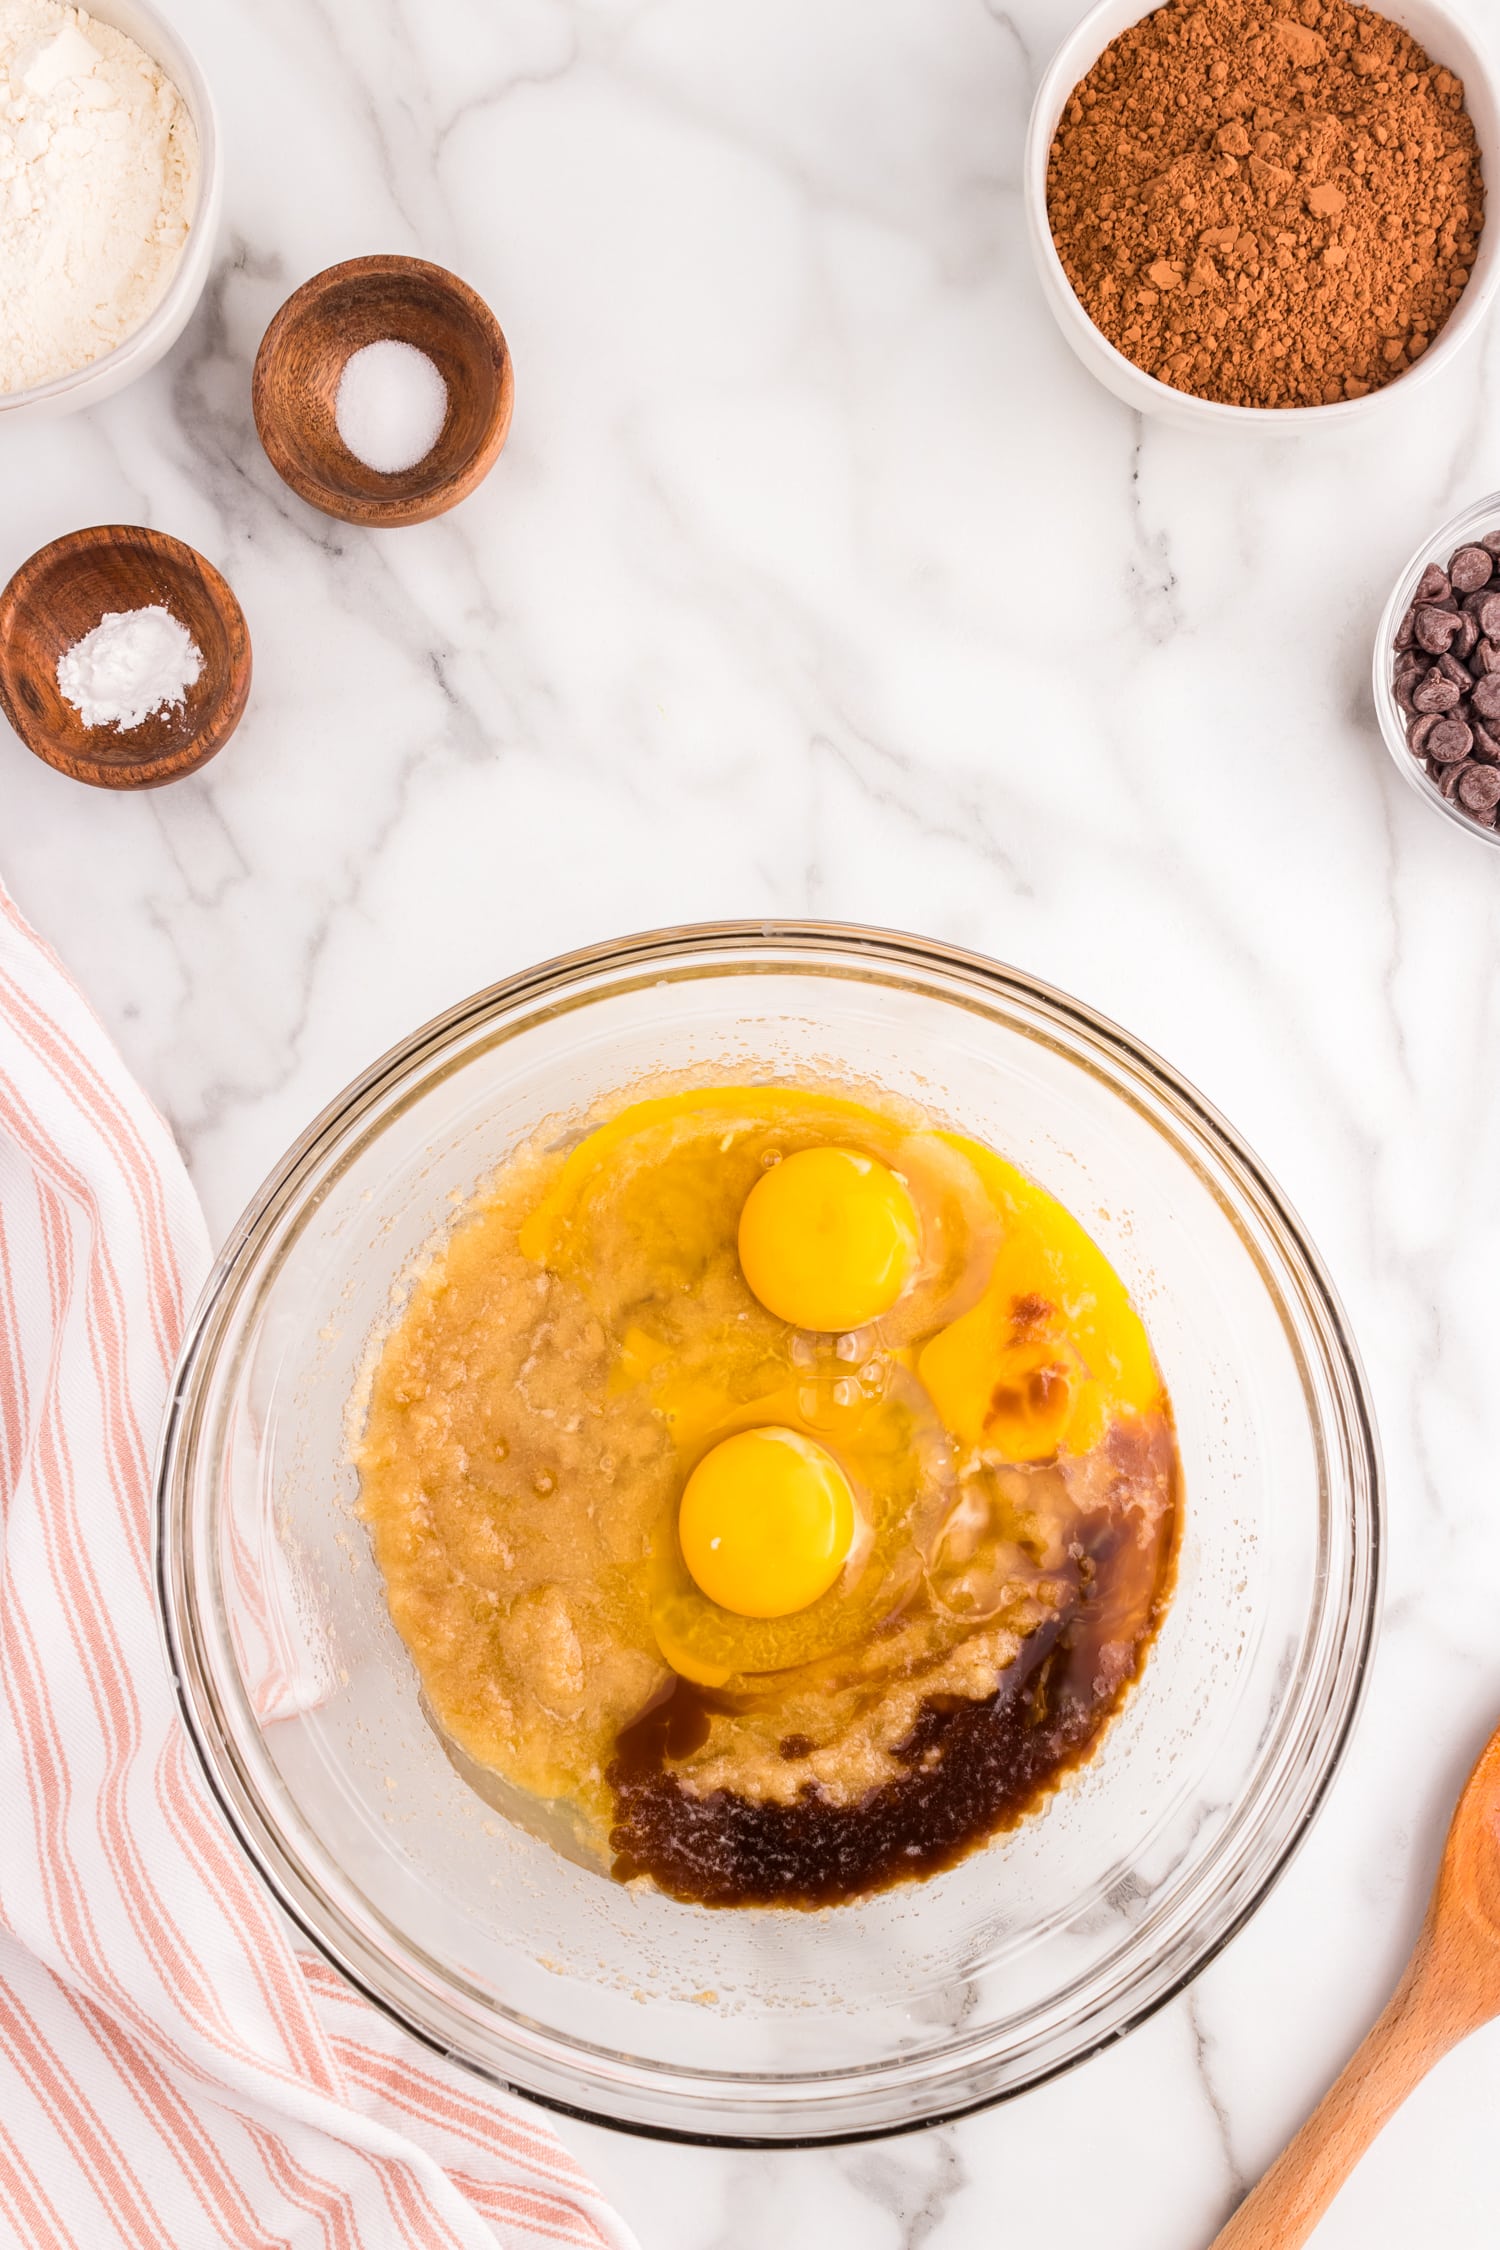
302,356
61,594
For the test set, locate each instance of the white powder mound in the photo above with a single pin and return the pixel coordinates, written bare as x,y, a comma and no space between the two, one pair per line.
98,169
391,405
135,662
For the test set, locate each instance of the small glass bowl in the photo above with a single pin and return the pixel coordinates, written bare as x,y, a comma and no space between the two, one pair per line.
159,331
1459,531
770,2026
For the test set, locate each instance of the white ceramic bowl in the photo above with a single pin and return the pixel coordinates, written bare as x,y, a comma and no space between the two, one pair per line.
85,386
1447,39
1440,547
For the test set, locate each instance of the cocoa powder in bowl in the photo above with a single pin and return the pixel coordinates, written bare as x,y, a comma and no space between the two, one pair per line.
1272,203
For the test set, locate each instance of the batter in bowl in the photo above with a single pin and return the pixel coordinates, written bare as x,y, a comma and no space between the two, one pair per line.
773,1489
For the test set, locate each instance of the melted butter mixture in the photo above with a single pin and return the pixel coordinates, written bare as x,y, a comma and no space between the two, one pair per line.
771,1609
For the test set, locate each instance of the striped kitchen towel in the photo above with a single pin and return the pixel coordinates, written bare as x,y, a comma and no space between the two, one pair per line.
174,2071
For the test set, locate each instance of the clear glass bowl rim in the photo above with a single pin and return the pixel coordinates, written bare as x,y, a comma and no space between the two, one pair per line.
1438,547
274,1856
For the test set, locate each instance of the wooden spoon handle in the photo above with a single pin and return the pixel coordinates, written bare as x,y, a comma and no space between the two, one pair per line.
1403,2046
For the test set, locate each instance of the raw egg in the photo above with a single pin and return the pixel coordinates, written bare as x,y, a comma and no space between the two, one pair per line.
665,1185
829,1239
766,1523
866,1479
1054,1352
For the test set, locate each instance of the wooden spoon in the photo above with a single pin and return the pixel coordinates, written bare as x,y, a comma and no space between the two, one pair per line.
61,594
294,391
1451,1987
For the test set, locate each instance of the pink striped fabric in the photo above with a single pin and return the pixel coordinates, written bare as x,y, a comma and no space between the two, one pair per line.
174,2072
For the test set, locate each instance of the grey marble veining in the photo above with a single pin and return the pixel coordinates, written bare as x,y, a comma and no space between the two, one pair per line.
818,578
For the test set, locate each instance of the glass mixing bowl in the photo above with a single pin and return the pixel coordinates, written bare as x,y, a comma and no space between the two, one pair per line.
770,2026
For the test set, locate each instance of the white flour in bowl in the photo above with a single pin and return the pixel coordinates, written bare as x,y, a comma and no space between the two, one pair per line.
98,169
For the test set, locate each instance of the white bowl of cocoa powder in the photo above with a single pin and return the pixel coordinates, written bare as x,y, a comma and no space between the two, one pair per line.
1262,206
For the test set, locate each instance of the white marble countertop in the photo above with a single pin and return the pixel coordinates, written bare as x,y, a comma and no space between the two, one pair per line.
817,578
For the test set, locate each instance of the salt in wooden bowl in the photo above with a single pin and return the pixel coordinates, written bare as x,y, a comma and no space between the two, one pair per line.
302,356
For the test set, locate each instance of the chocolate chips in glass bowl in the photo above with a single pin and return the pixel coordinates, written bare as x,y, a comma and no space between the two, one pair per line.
1446,677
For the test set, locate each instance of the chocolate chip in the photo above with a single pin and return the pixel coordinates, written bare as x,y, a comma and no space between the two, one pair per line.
1436,627
1436,694
1471,568
1445,677
1479,788
1449,741
1403,687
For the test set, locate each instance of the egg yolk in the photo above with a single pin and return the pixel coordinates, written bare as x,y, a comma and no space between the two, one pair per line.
1054,1352
766,1523
828,1239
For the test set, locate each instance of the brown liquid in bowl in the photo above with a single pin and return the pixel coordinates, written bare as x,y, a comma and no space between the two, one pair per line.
973,1768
